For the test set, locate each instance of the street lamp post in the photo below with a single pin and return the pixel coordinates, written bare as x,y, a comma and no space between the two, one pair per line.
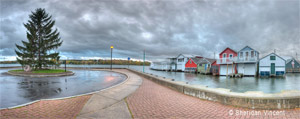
111,48
65,65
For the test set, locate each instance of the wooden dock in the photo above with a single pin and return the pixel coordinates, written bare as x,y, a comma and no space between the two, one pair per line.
238,75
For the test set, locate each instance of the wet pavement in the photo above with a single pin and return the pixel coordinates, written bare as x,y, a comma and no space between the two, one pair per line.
67,108
154,101
15,90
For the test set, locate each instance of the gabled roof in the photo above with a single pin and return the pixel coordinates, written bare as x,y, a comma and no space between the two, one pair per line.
171,57
271,54
188,55
228,49
196,60
248,47
289,60
210,60
206,61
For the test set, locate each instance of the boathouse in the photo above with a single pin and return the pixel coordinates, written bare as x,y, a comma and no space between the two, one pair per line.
293,66
204,66
247,61
272,65
226,62
215,68
160,66
191,65
178,63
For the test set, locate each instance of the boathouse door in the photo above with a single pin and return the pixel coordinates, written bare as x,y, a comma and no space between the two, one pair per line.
272,68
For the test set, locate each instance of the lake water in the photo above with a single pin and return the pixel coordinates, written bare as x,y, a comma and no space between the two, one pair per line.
266,85
15,90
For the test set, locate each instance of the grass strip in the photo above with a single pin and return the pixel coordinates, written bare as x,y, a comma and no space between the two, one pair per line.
41,71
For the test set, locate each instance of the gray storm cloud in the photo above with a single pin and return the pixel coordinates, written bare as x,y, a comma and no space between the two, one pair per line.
162,28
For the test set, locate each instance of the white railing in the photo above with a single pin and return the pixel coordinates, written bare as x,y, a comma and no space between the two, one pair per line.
226,60
245,59
235,60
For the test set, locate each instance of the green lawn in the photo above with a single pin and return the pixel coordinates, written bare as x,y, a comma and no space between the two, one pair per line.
42,71
18,70
49,71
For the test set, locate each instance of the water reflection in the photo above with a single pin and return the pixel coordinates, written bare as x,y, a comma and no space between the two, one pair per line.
267,85
19,90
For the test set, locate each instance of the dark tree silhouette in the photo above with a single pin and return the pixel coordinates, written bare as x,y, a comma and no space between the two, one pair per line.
39,50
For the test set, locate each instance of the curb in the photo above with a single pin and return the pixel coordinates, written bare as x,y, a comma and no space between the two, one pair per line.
40,76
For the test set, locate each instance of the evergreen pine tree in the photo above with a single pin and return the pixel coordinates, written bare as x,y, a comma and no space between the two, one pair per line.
38,51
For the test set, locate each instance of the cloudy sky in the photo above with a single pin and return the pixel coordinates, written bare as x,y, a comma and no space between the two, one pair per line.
163,28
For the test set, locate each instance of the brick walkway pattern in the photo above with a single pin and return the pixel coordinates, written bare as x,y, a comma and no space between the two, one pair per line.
48,109
152,100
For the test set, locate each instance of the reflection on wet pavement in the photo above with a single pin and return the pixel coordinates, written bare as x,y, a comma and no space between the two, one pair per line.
15,90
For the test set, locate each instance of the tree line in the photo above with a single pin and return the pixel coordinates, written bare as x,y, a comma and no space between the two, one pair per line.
91,62
105,62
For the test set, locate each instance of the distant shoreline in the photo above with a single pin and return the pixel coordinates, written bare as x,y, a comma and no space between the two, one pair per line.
93,62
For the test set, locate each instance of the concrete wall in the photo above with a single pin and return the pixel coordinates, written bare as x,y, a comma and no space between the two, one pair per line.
251,99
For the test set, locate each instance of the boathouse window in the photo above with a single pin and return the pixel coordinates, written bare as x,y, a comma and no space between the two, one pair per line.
230,56
252,53
190,61
241,55
272,58
180,60
224,55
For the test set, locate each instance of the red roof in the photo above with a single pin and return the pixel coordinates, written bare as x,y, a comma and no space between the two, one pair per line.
227,49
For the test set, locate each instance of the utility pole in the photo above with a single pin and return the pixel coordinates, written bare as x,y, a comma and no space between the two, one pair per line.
214,55
128,61
144,62
65,65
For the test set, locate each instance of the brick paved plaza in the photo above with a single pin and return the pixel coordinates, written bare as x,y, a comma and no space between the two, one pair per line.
48,109
155,101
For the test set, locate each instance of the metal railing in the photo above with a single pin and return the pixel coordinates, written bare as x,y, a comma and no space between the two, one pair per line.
236,60
226,60
247,59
